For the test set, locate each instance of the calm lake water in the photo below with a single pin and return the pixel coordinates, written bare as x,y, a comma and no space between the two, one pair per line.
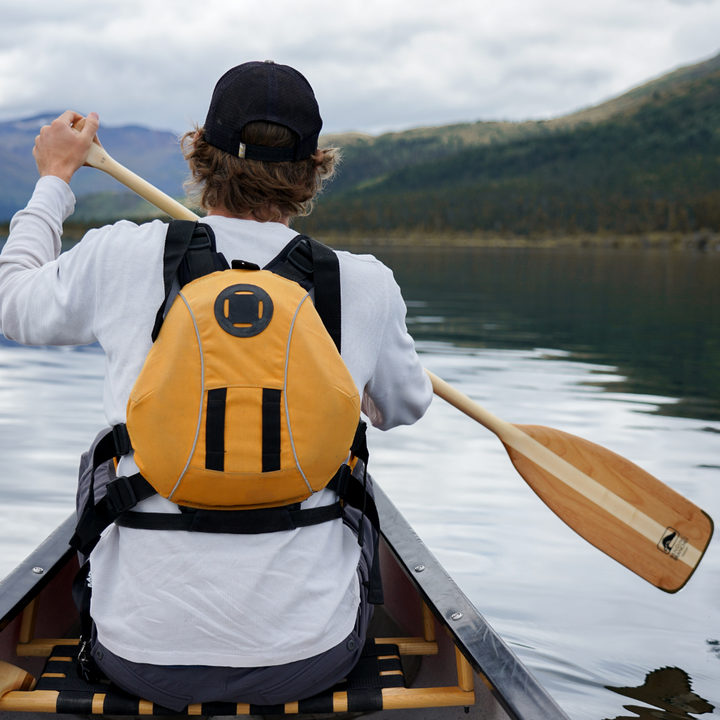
622,348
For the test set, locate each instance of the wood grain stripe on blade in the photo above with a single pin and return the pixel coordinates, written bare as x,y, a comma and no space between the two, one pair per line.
559,467
599,494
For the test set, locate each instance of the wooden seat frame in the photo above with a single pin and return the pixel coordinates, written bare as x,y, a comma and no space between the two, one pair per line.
17,693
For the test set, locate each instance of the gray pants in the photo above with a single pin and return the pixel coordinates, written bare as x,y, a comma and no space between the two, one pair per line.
175,687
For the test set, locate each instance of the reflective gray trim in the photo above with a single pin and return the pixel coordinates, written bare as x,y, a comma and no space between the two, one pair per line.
287,412
202,395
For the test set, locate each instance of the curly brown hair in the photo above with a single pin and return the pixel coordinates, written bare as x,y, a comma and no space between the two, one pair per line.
269,191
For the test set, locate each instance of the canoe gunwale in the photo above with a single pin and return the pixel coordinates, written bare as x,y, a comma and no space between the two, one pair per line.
510,682
23,585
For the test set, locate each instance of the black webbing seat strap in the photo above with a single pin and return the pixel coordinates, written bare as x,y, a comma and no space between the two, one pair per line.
95,694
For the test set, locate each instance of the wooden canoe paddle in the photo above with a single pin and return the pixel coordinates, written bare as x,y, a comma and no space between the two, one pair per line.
615,505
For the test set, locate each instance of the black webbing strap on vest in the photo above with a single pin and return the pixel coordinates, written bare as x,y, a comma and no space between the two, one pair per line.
314,265
215,429
121,494
86,666
271,429
233,522
355,493
190,253
349,488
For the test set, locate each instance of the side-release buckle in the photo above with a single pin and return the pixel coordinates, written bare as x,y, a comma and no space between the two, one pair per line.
120,495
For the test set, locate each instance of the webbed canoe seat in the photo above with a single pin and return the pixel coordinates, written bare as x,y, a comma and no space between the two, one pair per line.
378,682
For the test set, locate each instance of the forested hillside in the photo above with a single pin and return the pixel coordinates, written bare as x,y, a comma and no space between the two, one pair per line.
651,163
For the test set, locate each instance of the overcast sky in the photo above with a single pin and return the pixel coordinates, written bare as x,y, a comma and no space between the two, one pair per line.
376,65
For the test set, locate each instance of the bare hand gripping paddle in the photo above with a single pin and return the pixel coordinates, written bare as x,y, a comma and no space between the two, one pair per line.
612,503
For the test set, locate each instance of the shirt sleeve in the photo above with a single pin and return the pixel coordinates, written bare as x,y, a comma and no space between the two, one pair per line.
46,298
399,391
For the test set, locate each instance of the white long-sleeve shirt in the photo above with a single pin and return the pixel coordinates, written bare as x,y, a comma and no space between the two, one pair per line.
174,598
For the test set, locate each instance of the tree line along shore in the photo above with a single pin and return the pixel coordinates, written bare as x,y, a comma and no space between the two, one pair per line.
699,241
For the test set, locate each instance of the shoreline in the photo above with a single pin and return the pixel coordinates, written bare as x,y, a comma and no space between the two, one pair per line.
703,240
697,241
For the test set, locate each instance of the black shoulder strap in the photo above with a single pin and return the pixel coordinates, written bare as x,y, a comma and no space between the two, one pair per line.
190,252
314,265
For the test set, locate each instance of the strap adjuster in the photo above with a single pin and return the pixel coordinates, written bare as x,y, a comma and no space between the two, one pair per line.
359,446
122,439
200,239
341,481
300,257
121,495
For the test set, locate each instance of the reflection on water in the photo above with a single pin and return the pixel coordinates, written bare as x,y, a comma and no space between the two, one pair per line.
668,689
580,621
50,410
654,315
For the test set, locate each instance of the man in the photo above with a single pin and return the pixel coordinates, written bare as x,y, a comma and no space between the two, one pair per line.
192,617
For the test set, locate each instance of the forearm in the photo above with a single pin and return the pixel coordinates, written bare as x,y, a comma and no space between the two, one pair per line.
33,243
403,400
35,231
399,391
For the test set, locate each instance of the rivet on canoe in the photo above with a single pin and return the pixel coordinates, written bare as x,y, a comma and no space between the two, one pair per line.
38,570
456,616
419,568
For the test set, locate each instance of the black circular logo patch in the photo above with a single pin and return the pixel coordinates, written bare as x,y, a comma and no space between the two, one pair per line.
243,310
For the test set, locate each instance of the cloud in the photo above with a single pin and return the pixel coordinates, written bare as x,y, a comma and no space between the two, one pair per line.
375,65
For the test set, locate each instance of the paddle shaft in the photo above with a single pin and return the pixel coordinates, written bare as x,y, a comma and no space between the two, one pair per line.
100,159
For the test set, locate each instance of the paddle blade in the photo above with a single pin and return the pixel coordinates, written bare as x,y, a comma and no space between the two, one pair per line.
619,508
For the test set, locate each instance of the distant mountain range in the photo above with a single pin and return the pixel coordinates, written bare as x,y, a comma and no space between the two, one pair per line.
152,154
648,160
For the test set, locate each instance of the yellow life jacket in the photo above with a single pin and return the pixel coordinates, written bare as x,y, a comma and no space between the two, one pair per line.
244,406
243,401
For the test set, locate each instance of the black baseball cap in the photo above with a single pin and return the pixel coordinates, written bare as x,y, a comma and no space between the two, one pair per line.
263,91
